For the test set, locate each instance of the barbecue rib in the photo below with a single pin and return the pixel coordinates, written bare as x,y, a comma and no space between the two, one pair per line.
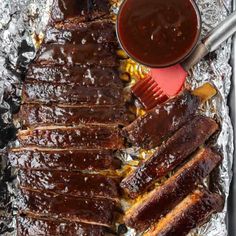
168,156
86,210
72,55
72,11
89,32
159,123
72,160
70,183
28,226
71,94
164,198
86,76
83,137
191,212
33,115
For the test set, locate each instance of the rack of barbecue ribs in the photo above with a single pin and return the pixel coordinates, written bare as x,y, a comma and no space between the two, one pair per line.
71,113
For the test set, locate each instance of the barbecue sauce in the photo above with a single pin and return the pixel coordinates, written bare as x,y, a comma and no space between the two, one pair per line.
158,33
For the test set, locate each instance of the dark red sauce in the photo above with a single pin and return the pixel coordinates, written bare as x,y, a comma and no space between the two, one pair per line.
158,33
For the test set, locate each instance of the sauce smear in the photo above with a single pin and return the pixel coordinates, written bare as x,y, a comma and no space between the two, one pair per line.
158,33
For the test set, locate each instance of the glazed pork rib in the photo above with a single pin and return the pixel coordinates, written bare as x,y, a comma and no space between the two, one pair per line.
158,124
86,76
33,115
101,31
28,226
168,156
74,11
71,94
194,210
83,137
70,183
85,210
70,159
85,54
164,198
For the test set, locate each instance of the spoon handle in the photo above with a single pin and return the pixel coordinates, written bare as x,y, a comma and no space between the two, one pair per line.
212,41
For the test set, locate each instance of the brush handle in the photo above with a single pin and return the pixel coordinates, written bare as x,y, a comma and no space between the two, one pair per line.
212,41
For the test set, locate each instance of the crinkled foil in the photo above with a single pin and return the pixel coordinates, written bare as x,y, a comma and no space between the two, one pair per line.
22,23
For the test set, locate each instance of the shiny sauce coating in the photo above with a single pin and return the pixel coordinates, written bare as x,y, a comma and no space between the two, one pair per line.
158,33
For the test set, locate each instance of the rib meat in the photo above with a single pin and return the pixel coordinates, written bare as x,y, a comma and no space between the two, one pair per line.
101,31
29,226
172,153
71,94
86,210
86,76
70,183
54,159
33,115
191,212
74,11
83,137
72,55
164,198
152,129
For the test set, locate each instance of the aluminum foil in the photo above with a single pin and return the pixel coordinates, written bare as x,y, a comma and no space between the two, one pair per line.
22,23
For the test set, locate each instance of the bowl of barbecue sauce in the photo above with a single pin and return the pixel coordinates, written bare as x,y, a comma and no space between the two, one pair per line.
158,33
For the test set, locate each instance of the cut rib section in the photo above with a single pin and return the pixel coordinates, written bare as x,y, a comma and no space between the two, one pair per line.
70,11
64,159
83,137
158,124
172,153
86,76
29,226
72,55
70,183
101,31
86,210
190,213
161,200
33,115
71,94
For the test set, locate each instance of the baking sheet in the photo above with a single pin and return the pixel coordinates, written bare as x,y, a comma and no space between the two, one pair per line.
232,104
18,17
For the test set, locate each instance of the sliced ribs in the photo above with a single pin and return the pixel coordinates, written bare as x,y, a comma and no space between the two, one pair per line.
194,210
83,137
29,226
72,160
161,200
169,155
86,210
152,129
71,183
